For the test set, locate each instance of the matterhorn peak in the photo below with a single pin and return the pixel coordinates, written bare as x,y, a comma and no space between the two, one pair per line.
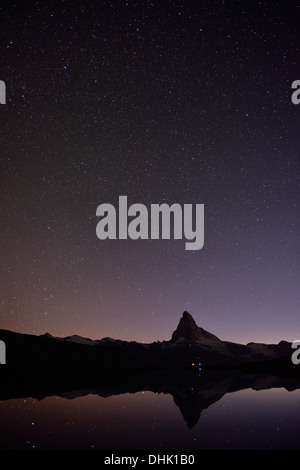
187,316
187,330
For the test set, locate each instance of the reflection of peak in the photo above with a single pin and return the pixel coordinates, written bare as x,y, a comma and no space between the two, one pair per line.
192,392
188,330
190,408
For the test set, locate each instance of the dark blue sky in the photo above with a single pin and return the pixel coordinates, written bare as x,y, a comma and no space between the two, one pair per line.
165,102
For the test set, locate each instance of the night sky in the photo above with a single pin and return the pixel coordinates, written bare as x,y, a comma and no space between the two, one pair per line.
165,102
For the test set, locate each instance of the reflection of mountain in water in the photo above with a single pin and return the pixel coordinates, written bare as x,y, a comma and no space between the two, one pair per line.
38,366
192,391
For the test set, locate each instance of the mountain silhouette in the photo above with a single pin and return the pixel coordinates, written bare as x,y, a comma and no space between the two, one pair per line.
187,330
189,345
195,367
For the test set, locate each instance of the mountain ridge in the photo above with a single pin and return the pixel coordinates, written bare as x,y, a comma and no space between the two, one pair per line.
189,344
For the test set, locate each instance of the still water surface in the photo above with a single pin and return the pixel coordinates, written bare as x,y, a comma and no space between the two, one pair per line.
246,419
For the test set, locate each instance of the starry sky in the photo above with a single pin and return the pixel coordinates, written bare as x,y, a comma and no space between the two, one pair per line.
165,102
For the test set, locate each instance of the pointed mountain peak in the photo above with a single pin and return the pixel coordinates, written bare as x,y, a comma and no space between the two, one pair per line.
187,330
186,323
187,316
